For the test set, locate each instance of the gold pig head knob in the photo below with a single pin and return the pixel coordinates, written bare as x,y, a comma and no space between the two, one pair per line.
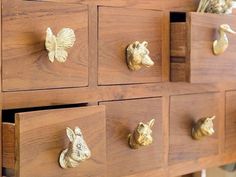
203,128
220,45
138,56
142,135
57,45
77,150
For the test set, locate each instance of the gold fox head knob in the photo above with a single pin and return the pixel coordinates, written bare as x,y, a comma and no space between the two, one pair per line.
142,135
203,128
138,56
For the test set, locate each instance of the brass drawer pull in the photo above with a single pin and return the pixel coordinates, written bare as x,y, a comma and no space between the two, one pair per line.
203,128
142,135
138,56
57,45
220,45
77,151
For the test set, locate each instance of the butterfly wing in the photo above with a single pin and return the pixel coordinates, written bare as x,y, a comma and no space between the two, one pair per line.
65,40
50,44
61,55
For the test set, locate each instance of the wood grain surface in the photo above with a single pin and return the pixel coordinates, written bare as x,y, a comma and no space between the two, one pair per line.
8,140
230,130
41,136
122,118
119,27
185,111
25,64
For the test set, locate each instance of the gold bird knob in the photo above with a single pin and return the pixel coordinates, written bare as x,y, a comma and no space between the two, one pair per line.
142,135
138,56
77,150
220,45
203,128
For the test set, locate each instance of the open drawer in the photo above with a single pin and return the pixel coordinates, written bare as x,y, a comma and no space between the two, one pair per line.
33,144
192,57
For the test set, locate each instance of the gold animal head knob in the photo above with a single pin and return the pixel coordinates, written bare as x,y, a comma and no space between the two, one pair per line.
220,45
203,128
138,56
142,135
57,45
77,151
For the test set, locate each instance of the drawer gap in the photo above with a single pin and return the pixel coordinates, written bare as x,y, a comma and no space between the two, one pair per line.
8,115
177,17
178,26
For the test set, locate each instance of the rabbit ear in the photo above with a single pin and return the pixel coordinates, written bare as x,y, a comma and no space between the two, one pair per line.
145,43
70,133
151,123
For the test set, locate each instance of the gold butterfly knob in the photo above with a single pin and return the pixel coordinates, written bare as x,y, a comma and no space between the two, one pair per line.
57,45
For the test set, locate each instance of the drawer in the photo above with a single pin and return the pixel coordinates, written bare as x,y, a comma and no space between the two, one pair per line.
25,61
33,144
192,48
185,111
122,117
230,130
120,27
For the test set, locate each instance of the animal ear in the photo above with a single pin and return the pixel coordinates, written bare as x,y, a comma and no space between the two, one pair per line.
78,131
145,43
141,124
151,123
136,44
70,133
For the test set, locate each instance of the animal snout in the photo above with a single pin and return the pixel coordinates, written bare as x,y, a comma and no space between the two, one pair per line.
147,61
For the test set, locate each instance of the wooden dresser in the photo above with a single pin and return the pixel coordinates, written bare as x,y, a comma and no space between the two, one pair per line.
95,90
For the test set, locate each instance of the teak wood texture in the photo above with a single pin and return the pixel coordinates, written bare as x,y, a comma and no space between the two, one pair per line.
122,117
25,63
185,111
120,27
230,134
193,41
41,136
96,74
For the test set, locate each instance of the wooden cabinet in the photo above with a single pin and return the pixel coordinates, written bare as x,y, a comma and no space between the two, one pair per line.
32,145
192,49
185,111
122,118
117,29
25,63
230,130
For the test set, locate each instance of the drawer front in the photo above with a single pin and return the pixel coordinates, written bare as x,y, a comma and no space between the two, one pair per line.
185,111
204,66
25,62
230,134
122,119
41,137
120,27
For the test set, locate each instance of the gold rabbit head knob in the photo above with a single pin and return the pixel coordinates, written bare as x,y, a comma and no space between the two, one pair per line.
57,45
203,128
142,135
138,56
220,45
77,151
